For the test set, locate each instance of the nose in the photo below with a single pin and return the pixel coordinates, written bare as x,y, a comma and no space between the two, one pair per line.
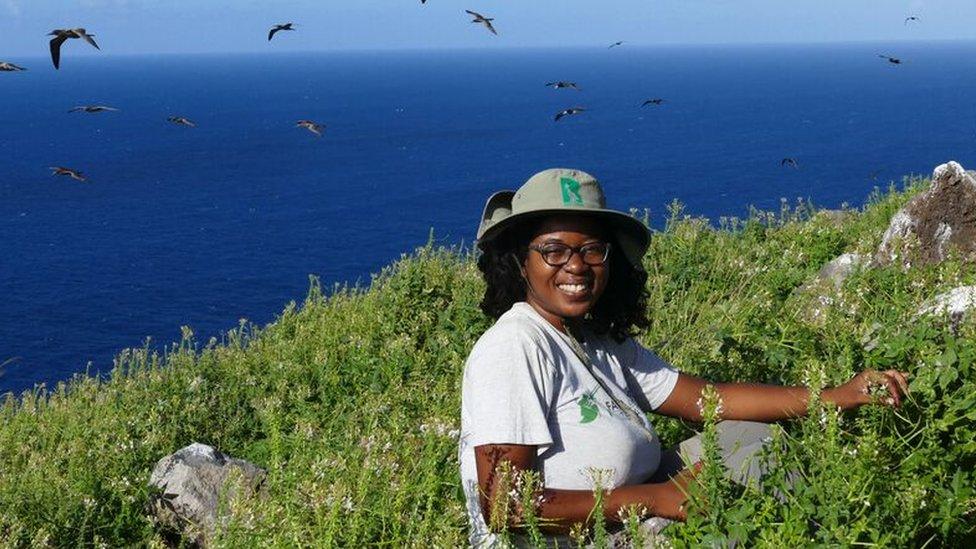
576,265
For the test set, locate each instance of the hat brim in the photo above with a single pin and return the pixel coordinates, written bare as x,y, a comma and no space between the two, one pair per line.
632,234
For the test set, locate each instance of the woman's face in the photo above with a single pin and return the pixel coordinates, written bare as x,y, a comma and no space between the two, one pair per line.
570,290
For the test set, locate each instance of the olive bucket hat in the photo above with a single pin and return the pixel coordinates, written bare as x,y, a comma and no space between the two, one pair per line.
561,190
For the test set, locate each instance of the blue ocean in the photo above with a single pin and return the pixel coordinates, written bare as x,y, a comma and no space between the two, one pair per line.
204,226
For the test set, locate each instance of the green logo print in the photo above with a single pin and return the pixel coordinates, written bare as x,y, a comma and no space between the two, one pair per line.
588,408
571,191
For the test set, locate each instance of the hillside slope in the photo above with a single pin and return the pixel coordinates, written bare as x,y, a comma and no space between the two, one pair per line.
351,399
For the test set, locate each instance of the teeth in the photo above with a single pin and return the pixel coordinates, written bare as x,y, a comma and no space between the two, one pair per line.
575,288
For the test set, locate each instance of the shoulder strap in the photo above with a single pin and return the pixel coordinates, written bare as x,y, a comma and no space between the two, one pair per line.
628,410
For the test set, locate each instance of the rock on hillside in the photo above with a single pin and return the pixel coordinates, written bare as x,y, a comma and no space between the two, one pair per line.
942,216
194,482
953,303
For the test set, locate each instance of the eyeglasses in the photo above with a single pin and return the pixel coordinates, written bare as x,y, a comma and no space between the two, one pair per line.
557,255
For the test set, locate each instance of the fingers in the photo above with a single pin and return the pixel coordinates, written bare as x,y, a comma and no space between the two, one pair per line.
894,396
901,378
892,385
897,386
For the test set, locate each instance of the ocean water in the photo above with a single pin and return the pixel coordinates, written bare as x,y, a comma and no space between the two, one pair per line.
204,226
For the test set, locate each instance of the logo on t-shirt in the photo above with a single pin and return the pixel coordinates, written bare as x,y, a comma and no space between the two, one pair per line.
588,408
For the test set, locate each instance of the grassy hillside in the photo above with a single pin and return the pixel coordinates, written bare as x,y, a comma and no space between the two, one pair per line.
351,400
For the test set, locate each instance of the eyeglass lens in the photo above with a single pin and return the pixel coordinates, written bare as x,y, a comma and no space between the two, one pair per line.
560,254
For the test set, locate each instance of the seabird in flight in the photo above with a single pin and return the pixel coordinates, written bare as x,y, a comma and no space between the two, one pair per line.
311,126
68,172
276,28
615,44
10,67
93,108
911,18
486,21
60,35
789,162
568,112
892,60
655,101
562,84
182,121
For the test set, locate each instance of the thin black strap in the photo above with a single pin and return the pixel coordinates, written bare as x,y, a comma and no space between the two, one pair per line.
584,357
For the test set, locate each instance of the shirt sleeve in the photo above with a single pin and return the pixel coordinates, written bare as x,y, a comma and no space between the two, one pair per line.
649,377
508,388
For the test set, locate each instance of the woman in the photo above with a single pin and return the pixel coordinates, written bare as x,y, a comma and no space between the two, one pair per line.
558,385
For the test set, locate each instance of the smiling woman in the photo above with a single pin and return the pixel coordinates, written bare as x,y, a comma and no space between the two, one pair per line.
559,386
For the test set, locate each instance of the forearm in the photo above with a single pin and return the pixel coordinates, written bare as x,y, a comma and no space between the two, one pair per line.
561,509
759,402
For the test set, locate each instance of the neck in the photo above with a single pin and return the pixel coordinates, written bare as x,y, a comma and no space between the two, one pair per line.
563,324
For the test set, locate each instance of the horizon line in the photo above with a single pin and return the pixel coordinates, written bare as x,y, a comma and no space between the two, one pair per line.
507,48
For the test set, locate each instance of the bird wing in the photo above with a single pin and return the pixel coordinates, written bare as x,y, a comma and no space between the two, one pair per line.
491,27
272,33
56,49
88,38
475,14
559,115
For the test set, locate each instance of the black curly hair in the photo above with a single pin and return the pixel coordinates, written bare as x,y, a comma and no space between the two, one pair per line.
620,311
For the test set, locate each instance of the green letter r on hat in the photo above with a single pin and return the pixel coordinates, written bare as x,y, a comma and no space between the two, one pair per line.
571,191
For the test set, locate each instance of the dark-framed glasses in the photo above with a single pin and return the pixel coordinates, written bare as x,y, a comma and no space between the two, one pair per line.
556,254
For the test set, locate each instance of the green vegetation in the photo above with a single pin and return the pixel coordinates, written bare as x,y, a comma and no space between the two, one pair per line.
351,402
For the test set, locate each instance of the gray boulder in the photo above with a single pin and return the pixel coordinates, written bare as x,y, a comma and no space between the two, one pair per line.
820,293
940,218
954,303
836,271
195,482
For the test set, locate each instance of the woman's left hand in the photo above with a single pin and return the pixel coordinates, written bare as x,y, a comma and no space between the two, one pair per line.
868,387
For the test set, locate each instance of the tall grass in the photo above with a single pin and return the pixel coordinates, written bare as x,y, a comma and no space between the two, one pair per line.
350,400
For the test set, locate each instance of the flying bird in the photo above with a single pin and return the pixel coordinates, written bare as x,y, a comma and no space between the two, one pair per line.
486,21
276,28
60,35
10,67
68,172
615,44
562,84
182,121
892,60
93,108
911,18
655,101
568,112
789,163
311,126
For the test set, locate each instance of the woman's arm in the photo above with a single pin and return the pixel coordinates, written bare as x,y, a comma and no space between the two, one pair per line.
757,402
560,509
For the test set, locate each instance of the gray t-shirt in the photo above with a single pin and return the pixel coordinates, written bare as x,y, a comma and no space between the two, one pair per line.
523,384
